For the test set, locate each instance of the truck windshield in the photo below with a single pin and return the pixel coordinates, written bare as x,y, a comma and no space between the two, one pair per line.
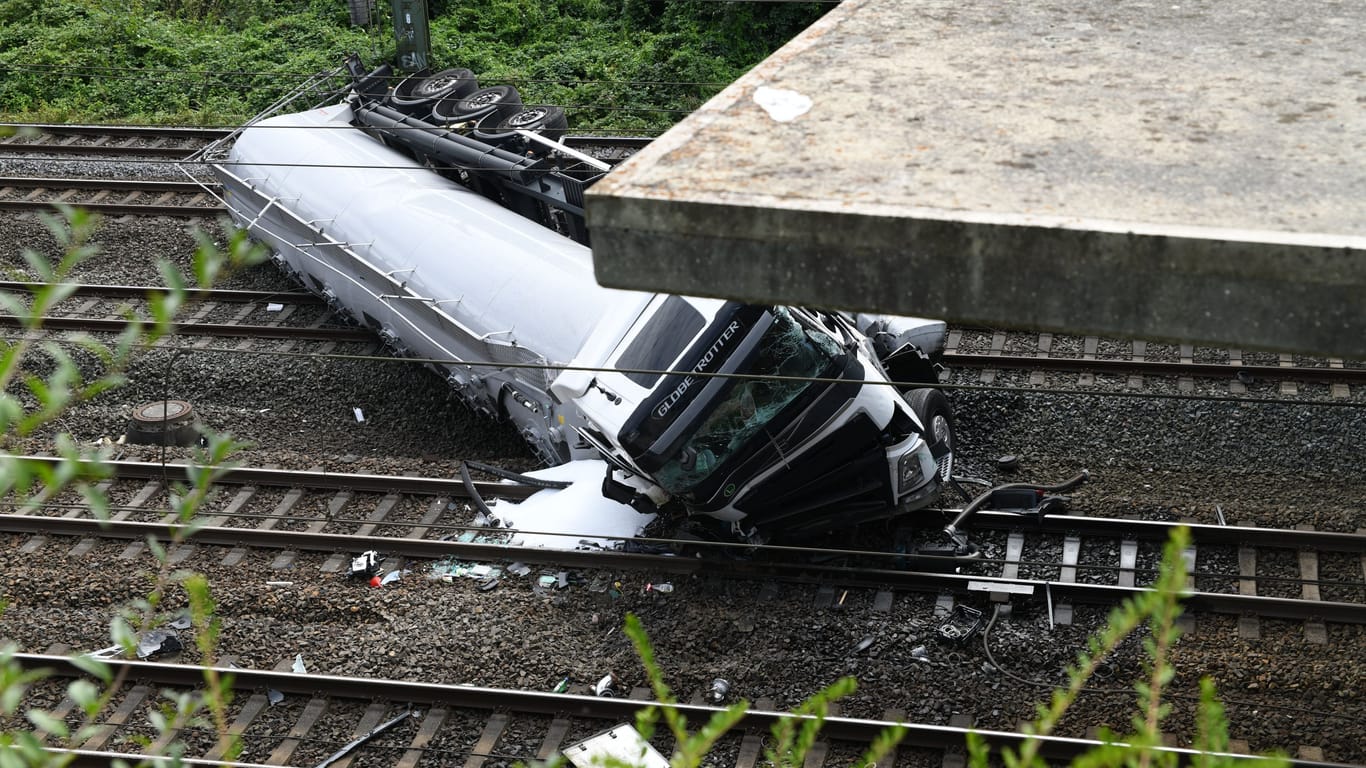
748,407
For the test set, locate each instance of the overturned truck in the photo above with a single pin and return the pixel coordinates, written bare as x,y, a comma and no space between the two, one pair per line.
448,218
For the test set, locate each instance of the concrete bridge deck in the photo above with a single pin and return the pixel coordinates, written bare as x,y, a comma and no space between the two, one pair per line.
1185,170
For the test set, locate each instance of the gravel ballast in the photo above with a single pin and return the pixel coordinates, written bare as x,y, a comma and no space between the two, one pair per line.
1270,464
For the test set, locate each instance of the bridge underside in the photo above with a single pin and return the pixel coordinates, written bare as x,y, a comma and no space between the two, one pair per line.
1193,172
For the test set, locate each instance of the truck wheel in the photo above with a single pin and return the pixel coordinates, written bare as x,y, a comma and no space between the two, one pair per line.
417,92
502,100
935,413
549,121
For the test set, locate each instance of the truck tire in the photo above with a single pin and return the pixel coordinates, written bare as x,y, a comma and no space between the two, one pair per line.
417,93
936,415
549,121
502,100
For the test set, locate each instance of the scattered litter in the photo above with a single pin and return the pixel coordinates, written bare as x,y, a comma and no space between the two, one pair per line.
450,570
519,569
183,621
1219,513
112,651
366,564
547,581
961,625
274,696
1008,463
562,579
376,582
359,740
662,588
622,745
298,667
158,642
279,583
360,415
919,653
488,584
263,410
720,688
561,686
274,307
393,576
606,687
863,645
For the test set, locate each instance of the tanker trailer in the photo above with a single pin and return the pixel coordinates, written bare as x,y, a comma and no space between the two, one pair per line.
776,421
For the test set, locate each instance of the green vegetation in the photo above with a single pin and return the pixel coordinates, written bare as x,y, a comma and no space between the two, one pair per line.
625,66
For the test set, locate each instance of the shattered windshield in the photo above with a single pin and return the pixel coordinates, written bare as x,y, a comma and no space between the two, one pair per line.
748,406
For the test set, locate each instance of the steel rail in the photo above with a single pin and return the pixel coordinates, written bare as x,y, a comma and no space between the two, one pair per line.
118,185
859,730
291,478
95,150
143,291
1160,530
214,134
169,131
1154,367
773,566
304,541
115,209
105,325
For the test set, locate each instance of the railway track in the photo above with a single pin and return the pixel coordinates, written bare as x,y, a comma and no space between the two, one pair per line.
1101,559
321,714
1135,362
1289,372
1060,582
181,143
113,197
341,721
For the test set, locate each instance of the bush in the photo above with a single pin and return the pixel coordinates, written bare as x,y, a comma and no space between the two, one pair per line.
637,66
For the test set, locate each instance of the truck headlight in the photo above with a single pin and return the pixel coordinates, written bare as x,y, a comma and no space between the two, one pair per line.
913,467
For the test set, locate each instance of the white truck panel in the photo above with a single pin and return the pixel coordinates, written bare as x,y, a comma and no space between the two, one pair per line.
480,261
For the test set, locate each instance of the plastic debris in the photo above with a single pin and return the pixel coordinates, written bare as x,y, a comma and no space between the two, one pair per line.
720,688
961,625
919,653
561,686
274,307
359,740
546,580
366,564
863,645
519,569
488,584
622,745
393,576
274,696
662,588
279,583
360,415
450,570
376,582
298,667
1008,463
111,652
183,621
158,642
606,687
